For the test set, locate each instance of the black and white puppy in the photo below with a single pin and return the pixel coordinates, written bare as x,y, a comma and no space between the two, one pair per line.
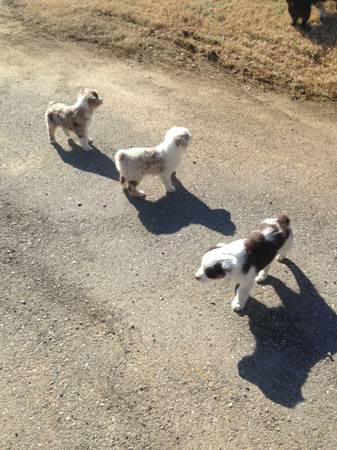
247,260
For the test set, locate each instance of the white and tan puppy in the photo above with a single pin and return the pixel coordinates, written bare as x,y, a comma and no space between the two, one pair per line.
135,163
75,118
247,260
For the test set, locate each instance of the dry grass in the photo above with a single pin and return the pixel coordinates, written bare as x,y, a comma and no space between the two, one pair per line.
252,39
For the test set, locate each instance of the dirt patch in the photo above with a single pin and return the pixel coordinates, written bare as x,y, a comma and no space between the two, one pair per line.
254,43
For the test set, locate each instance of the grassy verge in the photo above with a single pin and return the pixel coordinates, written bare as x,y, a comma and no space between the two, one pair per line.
251,39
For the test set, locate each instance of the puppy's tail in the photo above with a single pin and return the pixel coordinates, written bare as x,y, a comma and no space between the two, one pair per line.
119,157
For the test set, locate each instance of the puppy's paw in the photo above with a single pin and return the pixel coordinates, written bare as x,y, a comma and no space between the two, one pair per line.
236,306
261,277
280,258
139,194
171,189
87,148
90,141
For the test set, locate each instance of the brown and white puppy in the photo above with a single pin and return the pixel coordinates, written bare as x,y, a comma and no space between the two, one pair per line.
75,118
247,260
135,163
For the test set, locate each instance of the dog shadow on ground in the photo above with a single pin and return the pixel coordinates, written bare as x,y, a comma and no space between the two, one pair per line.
94,161
179,209
323,33
290,339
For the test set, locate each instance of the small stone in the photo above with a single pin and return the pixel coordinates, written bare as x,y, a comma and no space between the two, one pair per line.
79,204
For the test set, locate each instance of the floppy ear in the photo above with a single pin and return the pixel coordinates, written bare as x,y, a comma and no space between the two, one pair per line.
228,264
215,272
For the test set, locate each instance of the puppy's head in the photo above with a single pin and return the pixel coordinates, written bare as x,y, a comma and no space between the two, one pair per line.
91,97
215,264
178,136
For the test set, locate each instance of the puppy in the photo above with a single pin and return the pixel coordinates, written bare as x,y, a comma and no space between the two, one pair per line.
247,260
75,118
301,9
133,164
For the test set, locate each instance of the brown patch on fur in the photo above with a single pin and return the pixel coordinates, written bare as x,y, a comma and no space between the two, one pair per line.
121,156
50,117
254,241
132,187
122,180
153,159
283,221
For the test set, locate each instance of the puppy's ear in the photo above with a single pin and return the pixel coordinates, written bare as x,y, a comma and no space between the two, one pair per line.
182,140
94,99
229,263
215,272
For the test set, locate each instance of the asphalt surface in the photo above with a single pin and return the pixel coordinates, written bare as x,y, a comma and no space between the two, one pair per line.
106,339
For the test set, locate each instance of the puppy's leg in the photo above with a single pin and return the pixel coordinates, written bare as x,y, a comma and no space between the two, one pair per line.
123,182
51,127
68,135
263,274
242,293
305,18
293,15
66,132
287,246
83,137
166,180
132,189
85,143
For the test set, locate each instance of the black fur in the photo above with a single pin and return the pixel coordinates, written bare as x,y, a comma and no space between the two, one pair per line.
215,271
261,250
300,9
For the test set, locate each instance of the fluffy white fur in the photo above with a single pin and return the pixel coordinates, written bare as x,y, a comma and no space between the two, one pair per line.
75,118
135,163
227,261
